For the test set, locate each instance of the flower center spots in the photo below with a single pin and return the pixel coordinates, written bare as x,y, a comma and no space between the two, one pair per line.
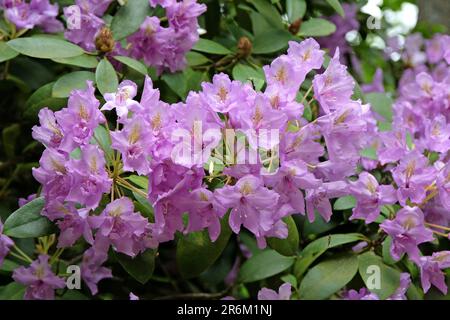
342,117
410,168
307,55
203,196
257,116
426,87
436,131
83,112
122,96
281,75
275,102
156,122
442,256
93,164
328,80
246,189
222,93
371,187
59,167
409,223
135,134
116,212
39,272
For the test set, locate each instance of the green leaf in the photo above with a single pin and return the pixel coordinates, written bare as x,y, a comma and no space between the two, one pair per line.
328,277
243,73
381,104
9,266
370,153
177,82
54,104
337,7
209,46
196,59
140,181
106,77
288,246
196,252
103,139
27,221
71,81
414,293
129,18
295,9
12,291
389,277
140,267
264,264
10,135
269,12
45,48
317,27
316,248
133,64
344,203
271,41
6,52
386,250
84,60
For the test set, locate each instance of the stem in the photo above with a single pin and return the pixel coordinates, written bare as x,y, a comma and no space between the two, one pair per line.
306,94
23,254
127,185
437,226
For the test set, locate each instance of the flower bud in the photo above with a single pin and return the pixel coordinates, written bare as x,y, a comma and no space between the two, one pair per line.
294,27
244,47
104,41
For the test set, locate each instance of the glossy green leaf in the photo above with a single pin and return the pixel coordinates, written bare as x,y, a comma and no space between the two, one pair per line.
243,73
45,48
272,41
103,139
369,153
288,246
129,18
27,221
196,59
316,248
196,252
177,82
6,52
133,64
269,12
381,104
209,46
70,81
12,291
84,60
317,27
344,203
106,77
264,264
295,9
337,7
328,277
140,267
369,265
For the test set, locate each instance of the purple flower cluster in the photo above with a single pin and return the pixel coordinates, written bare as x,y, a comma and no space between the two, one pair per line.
149,144
308,164
163,47
36,13
415,154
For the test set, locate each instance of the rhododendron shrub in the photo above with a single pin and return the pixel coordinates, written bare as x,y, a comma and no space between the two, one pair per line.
249,167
